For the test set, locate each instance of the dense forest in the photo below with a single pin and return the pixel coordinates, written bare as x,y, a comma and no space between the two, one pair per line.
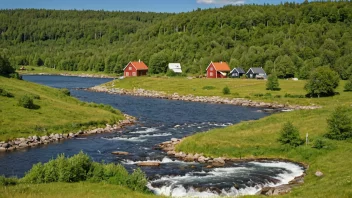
291,39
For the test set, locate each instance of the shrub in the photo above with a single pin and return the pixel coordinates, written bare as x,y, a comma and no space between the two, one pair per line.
26,102
289,135
340,124
226,90
277,96
35,175
273,83
8,181
80,166
348,85
116,174
137,181
319,143
208,87
170,73
15,75
65,91
5,93
50,172
322,82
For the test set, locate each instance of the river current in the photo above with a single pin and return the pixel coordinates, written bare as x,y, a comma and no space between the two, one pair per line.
158,121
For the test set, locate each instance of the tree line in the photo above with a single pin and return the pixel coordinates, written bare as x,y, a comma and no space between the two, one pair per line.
289,39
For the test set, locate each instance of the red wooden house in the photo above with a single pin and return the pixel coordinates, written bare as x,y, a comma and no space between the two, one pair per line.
137,68
218,70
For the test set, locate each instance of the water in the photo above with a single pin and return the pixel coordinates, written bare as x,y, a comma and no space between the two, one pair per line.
157,119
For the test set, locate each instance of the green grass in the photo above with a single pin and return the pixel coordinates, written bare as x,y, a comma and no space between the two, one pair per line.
83,189
52,71
239,88
258,139
57,112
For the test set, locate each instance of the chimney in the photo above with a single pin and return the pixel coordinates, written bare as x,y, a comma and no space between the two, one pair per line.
139,60
221,62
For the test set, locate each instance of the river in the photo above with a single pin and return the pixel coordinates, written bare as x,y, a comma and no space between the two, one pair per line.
158,121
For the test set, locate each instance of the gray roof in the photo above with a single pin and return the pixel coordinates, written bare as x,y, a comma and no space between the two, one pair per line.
239,70
258,70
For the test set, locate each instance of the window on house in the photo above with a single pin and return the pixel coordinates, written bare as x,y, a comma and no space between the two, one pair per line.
211,69
130,68
127,73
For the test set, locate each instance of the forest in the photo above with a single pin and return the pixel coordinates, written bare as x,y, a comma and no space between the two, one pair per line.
290,39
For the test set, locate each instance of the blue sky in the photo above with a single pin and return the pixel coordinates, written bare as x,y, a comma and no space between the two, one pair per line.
125,5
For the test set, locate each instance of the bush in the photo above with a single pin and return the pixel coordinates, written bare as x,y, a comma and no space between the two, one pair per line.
65,91
226,90
322,82
5,67
348,85
26,102
208,87
170,73
8,181
340,124
15,75
137,180
273,83
5,93
319,143
289,135
81,168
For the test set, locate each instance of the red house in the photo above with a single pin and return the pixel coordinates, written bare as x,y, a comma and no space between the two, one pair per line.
137,68
218,70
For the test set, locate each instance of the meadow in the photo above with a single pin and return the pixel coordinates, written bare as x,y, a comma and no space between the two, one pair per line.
258,139
55,112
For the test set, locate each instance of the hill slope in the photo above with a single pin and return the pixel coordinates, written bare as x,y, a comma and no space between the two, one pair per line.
55,111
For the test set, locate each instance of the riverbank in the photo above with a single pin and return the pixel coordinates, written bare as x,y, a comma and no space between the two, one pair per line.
31,70
207,99
170,148
33,141
53,112
258,139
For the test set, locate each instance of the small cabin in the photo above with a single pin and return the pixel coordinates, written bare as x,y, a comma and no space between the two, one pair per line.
176,67
136,68
256,72
237,72
218,70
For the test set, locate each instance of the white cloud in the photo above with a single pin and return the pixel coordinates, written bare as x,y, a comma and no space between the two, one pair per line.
221,2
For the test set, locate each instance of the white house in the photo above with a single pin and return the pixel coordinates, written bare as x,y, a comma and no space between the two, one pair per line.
176,67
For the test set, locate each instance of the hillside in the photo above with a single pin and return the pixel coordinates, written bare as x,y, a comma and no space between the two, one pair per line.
291,38
54,111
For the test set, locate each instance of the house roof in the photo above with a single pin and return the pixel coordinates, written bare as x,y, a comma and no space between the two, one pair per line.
139,65
239,70
176,67
220,66
257,70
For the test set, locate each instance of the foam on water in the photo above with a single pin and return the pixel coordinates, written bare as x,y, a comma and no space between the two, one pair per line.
148,130
165,160
291,170
175,185
132,139
156,135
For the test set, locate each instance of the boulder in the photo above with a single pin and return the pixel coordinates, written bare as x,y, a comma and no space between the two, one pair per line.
2,149
217,164
319,174
201,159
171,152
119,153
219,160
149,164
23,145
44,138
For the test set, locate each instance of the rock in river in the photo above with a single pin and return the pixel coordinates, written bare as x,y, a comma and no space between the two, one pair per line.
149,164
119,153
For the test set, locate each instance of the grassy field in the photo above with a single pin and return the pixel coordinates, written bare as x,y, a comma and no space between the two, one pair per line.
55,113
240,88
258,139
52,71
83,189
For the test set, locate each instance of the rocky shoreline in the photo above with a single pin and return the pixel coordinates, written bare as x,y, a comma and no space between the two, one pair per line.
33,141
170,146
192,98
